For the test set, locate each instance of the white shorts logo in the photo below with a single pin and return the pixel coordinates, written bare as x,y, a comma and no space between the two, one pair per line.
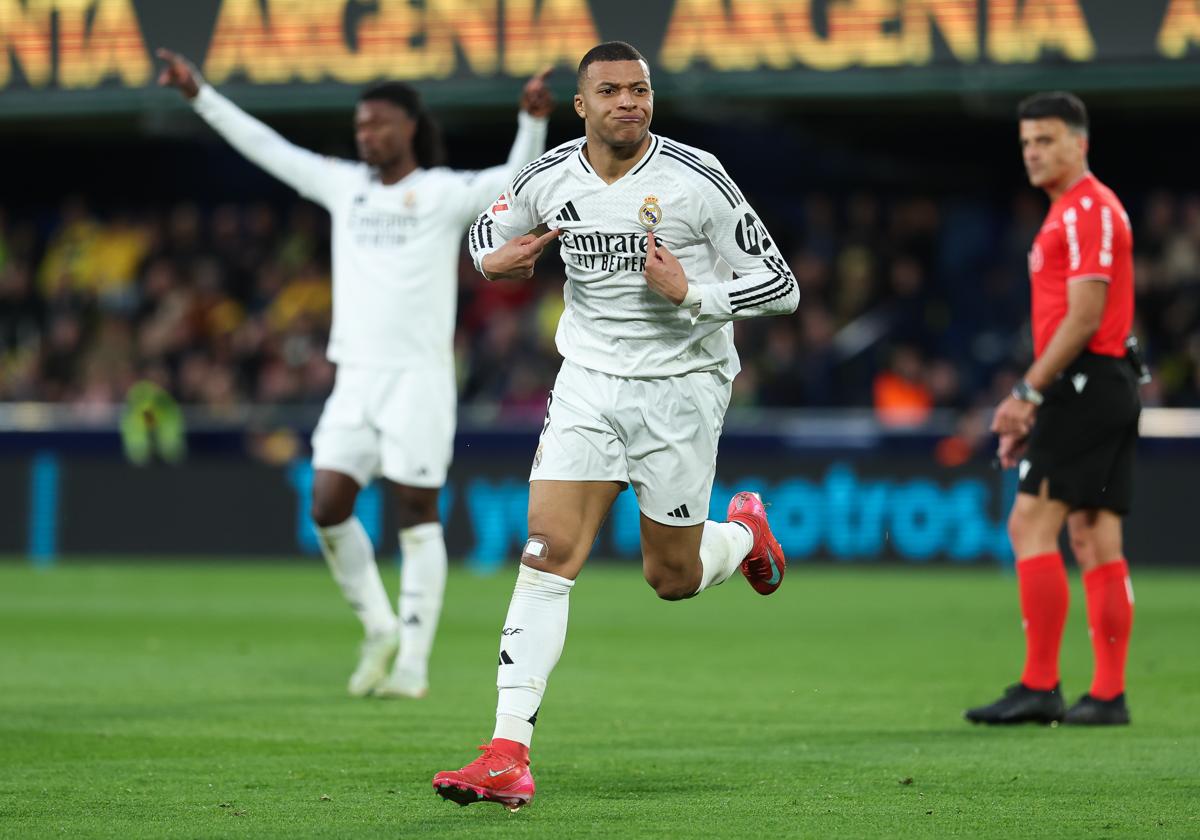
1079,380
1023,468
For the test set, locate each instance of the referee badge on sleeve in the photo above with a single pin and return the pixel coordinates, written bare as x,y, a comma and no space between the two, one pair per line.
650,213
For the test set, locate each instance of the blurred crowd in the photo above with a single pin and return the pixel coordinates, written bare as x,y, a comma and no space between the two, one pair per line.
908,304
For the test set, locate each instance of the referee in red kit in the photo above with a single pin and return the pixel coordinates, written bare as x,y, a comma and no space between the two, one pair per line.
1070,426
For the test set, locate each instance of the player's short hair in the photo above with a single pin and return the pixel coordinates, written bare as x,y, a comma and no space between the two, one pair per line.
608,51
1058,104
427,140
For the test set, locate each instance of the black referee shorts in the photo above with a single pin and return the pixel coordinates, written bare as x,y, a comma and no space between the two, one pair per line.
1085,434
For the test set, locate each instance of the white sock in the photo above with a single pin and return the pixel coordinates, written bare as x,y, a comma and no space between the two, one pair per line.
530,645
351,558
723,547
422,584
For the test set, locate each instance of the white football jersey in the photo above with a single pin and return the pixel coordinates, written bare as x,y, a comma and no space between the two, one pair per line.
613,322
395,247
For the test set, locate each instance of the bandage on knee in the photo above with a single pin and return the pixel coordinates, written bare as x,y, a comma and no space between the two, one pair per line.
536,548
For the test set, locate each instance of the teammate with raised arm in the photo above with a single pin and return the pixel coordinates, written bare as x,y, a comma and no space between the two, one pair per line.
662,253
398,219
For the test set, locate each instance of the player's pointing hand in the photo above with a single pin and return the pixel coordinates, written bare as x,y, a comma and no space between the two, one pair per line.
179,73
663,272
514,260
536,98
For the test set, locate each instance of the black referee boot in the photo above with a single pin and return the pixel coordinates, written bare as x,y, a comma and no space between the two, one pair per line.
1021,705
1091,711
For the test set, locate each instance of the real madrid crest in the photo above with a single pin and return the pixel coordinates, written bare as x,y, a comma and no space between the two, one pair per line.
650,213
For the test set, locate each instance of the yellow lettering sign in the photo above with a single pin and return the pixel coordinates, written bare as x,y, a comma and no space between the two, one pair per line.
778,34
561,32
241,39
307,40
25,36
1180,29
471,24
111,46
1020,32
957,20
749,34
388,44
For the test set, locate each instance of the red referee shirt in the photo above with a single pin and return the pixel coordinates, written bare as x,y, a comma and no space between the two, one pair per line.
1085,234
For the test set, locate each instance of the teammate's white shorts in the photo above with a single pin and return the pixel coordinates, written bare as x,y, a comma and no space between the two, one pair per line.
394,423
660,435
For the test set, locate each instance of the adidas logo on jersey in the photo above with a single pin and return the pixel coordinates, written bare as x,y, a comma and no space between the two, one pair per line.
568,213
680,512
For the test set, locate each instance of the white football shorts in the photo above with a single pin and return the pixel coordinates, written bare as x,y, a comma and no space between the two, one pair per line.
398,423
660,435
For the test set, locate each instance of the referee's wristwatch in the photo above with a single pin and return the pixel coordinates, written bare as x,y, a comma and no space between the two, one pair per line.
1025,392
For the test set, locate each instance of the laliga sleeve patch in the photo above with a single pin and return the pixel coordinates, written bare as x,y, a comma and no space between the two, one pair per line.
501,204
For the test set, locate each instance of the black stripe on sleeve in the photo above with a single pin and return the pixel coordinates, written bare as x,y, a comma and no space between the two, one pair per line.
706,172
761,301
776,285
546,163
717,172
539,159
776,277
476,242
780,285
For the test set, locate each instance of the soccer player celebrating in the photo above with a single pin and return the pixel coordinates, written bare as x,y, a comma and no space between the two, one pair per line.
1070,426
398,219
662,253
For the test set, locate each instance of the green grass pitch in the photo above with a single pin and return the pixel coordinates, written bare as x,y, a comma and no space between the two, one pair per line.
207,700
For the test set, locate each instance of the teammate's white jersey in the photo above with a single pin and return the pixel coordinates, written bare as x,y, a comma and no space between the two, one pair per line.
395,247
613,322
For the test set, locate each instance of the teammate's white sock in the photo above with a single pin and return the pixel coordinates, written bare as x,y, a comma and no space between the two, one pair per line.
422,584
351,558
723,547
530,645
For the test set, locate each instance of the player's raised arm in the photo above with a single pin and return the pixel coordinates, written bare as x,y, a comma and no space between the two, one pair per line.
537,102
307,172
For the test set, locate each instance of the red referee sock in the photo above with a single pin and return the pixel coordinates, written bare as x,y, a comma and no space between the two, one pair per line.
1042,581
1110,620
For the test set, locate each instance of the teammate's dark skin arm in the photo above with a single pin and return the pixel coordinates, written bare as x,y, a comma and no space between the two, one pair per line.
1085,309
